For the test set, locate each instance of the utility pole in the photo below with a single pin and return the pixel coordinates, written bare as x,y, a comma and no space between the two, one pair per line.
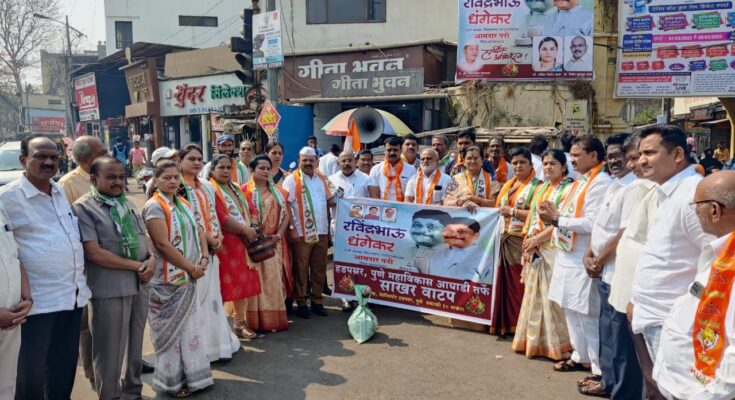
69,89
273,73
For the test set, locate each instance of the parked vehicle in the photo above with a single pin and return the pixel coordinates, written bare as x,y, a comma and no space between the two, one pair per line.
10,168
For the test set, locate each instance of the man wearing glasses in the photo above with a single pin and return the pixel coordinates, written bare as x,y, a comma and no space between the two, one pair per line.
668,261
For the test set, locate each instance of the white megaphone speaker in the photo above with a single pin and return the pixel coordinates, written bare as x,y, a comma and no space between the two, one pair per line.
369,123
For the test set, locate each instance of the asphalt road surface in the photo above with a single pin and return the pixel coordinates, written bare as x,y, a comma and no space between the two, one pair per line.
412,356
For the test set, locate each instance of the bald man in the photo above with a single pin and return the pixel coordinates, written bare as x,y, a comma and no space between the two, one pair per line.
353,182
430,185
84,151
686,368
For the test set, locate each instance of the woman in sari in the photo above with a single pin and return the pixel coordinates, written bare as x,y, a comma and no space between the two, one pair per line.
541,330
514,202
274,150
239,278
267,311
182,366
221,342
476,188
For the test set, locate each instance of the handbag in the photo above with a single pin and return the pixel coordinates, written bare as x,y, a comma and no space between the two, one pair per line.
262,249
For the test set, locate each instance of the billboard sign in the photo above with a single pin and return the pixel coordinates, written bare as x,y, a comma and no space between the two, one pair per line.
267,41
85,88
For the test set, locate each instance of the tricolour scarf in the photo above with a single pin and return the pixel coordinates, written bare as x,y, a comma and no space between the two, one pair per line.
307,216
122,217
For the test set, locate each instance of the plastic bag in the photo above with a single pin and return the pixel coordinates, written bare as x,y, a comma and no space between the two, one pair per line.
362,323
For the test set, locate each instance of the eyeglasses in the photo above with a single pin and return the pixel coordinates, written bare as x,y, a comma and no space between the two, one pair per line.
696,203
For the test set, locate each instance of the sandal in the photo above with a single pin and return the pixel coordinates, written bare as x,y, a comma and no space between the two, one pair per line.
589,380
570,365
183,392
244,332
593,390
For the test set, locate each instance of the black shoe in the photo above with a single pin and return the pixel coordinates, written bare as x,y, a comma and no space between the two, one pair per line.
327,290
303,312
318,309
148,368
289,306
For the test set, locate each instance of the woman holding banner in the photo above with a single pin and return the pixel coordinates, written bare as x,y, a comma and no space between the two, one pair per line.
267,311
514,201
541,329
475,185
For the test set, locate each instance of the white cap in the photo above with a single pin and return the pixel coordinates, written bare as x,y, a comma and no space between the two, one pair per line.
161,152
307,151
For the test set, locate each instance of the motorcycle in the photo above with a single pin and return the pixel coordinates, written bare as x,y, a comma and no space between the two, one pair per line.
143,176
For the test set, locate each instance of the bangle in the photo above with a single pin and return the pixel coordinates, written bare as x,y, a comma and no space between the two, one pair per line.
513,212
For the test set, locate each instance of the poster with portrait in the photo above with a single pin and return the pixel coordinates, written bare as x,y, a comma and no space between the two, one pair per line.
674,48
267,40
525,40
432,259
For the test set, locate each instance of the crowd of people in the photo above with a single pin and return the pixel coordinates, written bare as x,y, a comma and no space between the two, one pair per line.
615,258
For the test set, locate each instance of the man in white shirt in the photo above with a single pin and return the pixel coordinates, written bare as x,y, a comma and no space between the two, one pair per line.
668,261
463,258
430,185
538,146
621,374
352,182
566,143
682,369
49,248
15,304
309,197
410,150
390,177
570,286
581,59
329,163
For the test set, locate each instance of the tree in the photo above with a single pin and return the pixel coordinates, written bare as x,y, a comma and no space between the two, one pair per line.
22,35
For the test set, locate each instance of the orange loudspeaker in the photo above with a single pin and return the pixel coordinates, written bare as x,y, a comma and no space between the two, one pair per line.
369,123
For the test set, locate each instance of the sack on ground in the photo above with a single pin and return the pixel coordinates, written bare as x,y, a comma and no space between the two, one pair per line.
362,323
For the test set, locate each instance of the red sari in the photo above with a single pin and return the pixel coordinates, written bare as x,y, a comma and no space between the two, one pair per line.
237,280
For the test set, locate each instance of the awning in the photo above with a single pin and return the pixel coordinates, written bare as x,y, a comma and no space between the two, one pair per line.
445,131
369,99
715,122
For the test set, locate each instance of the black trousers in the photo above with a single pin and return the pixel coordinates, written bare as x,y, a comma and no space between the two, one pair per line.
621,373
49,351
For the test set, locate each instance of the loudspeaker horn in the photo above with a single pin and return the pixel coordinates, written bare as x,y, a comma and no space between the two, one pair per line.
369,123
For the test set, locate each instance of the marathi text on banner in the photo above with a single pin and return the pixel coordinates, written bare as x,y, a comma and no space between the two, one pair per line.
673,48
525,40
433,259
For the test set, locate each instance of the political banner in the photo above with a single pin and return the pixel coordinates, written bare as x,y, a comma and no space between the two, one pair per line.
675,48
432,259
525,40
267,40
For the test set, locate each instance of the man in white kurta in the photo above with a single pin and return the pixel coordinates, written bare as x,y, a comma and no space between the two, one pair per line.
434,184
389,183
570,286
352,182
676,371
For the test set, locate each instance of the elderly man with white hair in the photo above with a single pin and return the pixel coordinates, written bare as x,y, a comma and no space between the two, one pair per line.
84,151
430,185
310,197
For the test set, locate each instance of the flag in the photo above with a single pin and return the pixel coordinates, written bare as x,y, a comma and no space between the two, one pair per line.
353,138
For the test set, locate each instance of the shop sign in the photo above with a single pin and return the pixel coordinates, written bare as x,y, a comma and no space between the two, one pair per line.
85,88
201,95
384,83
269,118
48,124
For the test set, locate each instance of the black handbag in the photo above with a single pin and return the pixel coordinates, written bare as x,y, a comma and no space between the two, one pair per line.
262,249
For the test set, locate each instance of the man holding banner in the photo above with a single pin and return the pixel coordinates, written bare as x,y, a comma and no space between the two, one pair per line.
570,285
309,196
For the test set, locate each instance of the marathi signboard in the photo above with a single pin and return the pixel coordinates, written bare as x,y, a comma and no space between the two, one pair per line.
85,88
48,124
269,118
201,95
437,260
576,121
516,40
267,46
675,48
407,81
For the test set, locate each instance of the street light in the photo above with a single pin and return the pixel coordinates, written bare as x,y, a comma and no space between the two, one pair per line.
69,93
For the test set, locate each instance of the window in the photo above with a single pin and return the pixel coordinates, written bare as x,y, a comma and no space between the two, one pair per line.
123,34
188,20
344,11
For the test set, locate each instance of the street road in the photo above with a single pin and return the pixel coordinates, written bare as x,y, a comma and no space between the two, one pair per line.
412,356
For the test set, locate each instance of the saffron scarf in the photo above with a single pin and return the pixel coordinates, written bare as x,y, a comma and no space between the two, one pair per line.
555,191
393,180
307,215
573,205
708,334
479,186
234,199
520,199
501,172
202,204
419,195
181,223
253,194
122,217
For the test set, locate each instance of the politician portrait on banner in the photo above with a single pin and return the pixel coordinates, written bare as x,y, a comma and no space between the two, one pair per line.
524,40
433,259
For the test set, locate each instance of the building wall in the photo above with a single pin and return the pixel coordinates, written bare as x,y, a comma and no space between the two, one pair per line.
406,20
158,21
53,69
